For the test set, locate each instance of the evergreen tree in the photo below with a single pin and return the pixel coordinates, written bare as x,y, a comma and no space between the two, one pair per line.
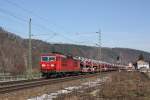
141,57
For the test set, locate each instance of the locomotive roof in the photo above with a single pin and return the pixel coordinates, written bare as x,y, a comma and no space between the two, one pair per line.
53,54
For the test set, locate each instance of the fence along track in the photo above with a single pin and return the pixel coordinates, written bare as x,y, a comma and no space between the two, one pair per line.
30,84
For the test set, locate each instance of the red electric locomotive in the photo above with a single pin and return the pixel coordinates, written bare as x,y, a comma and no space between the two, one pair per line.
58,64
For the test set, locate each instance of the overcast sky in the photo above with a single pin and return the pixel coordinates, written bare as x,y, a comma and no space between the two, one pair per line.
123,23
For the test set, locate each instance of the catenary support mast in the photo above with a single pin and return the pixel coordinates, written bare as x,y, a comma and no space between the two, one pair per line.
30,53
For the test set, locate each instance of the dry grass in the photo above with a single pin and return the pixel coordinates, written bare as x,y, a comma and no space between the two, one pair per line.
122,86
127,86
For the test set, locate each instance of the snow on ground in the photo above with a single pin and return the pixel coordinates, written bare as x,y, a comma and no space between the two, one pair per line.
68,90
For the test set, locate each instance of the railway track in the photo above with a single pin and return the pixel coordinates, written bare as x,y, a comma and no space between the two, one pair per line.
13,86
20,81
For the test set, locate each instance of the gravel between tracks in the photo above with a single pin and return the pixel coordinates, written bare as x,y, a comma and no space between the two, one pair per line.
38,91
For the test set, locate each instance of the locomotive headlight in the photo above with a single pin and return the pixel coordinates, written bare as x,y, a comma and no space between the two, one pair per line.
43,65
52,65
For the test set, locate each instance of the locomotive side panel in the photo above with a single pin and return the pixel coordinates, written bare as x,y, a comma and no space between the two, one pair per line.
65,64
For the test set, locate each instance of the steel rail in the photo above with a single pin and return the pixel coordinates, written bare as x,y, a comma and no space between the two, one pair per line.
31,84
18,81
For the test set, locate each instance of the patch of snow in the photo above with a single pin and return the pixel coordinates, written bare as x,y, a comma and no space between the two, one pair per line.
73,88
63,92
68,90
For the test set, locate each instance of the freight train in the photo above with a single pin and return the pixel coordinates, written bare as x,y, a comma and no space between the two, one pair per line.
55,64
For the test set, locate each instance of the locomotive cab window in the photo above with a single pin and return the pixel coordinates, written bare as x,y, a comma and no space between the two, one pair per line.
52,58
45,58
48,58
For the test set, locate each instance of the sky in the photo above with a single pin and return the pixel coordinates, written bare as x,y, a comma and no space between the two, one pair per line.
123,23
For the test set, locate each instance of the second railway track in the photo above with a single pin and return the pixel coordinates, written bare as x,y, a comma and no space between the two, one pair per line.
35,83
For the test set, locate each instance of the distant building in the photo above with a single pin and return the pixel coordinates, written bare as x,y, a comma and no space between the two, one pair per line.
130,64
142,65
130,67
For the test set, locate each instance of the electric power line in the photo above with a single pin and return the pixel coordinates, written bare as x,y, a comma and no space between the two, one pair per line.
36,25
31,12
4,11
11,14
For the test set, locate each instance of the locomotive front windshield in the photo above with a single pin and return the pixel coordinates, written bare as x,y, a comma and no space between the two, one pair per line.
48,58
52,58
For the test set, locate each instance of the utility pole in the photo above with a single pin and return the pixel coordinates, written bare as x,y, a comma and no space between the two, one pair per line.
99,44
100,57
99,47
30,53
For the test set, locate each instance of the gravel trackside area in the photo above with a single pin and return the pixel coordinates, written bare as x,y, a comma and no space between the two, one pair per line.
80,88
54,90
118,86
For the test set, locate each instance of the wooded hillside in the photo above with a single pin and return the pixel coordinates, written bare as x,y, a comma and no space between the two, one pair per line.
14,52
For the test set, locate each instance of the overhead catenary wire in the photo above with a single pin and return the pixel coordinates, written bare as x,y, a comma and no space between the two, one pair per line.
33,13
40,17
22,20
12,15
4,11
35,25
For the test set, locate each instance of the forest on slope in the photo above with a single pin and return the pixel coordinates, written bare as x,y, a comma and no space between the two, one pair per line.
14,52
